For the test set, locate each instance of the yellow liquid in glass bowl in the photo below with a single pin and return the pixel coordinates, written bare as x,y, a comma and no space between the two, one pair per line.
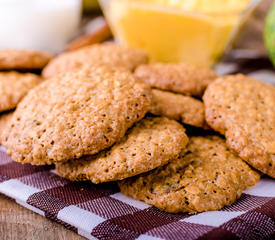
194,31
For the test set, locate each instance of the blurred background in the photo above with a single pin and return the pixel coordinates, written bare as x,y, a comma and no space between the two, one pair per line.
203,32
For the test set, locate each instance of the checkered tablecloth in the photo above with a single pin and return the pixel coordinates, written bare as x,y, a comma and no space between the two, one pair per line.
101,211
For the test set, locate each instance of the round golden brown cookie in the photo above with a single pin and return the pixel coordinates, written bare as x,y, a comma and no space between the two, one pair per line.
151,143
13,59
75,114
177,77
207,176
179,107
243,109
14,86
4,120
110,54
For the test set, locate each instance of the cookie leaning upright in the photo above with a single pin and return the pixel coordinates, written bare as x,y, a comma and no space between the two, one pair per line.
151,143
110,54
243,109
14,86
206,176
177,77
15,59
75,114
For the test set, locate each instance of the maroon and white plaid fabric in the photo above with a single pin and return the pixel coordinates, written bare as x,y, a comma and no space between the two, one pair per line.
102,212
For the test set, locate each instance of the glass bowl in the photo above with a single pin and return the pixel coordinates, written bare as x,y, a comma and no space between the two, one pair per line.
171,34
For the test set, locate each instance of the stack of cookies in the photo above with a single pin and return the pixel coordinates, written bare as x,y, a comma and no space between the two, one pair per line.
16,78
177,89
104,114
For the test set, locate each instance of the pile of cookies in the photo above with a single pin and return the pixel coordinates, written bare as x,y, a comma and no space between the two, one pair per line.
103,113
17,78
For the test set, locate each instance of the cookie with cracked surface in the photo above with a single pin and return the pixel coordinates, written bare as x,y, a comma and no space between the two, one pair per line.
75,114
179,107
177,77
207,176
243,109
4,120
110,54
14,86
151,143
15,59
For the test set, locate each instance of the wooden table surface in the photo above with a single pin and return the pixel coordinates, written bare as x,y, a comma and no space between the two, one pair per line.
17,222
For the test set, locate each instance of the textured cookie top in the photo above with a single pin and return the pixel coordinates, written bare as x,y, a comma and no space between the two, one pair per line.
179,107
243,109
149,144
4,120
111,54
75,114
14,86
23,59
177,77
207,176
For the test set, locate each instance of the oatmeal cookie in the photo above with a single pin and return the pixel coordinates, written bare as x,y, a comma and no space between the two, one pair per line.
15,59
151,143
110,54
14,86
206,176
243,109
182,108
4,120
177,77
75,114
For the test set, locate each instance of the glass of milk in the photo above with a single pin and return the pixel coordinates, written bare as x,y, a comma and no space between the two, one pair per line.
43,25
